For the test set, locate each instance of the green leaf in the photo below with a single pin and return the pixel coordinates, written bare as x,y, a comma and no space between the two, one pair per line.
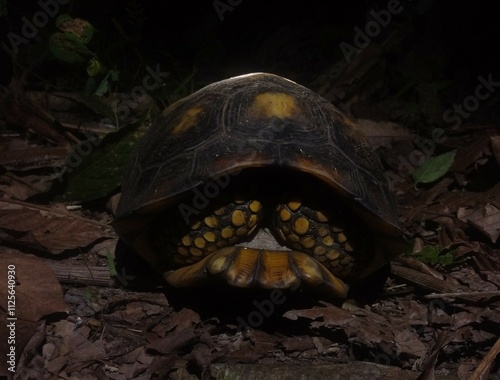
67,47
76,43
94,67
115,75
63,50
95,169
434,167
104,85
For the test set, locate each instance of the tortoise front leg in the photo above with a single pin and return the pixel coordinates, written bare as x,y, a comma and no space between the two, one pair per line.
225,225
329,237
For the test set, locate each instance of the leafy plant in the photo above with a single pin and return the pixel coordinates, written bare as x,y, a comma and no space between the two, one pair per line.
435,256
434,168
100,172
70,45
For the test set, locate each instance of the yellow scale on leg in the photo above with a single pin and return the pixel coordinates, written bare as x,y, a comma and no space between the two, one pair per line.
319,248
310,231
224,226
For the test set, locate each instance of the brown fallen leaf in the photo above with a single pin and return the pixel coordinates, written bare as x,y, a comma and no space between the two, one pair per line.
29,292
486,220
333,315
203,354
176,333
443,339
408,342
184,318
37,291
28,115
22,188
298,343
74,344
470,154
421,267
360,325
446,287
368,328
175,341
243,354
18,155
483,369
31,349
49,229
383,133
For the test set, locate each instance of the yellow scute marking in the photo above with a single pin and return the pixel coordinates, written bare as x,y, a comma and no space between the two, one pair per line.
269,104
347,121
187,120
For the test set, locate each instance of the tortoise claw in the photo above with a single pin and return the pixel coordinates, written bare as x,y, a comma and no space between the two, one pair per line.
247,267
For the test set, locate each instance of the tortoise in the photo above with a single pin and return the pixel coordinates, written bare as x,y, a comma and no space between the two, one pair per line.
256,181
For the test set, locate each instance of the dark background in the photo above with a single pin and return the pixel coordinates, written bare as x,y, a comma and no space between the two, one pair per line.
443,40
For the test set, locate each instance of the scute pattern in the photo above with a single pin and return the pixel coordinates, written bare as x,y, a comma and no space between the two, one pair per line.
227,139
254,121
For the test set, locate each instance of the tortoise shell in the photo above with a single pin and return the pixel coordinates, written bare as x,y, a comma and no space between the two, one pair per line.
203,177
